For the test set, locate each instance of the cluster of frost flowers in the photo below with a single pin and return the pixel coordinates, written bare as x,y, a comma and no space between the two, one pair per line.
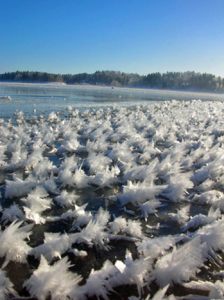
109,197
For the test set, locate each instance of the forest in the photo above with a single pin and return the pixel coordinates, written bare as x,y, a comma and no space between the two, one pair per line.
170,80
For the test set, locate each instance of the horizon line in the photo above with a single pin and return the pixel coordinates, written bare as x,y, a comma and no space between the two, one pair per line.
118,71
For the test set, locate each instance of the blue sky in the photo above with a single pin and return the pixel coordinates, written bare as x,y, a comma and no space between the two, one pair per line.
143,36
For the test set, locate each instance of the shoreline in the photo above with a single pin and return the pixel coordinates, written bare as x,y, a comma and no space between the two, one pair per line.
108,88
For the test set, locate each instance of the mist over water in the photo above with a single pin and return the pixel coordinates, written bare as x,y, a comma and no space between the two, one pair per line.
44,98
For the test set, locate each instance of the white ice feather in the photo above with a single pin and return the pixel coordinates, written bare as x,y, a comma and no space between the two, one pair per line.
55,280
12,213
54,245
18,187
13,244
181,264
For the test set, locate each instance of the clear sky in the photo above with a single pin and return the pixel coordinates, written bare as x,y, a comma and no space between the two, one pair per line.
143,36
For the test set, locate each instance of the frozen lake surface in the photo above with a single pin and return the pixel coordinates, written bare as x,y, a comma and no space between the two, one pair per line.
111,193
45,98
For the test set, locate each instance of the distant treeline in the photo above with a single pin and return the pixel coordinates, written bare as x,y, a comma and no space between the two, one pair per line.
169,80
